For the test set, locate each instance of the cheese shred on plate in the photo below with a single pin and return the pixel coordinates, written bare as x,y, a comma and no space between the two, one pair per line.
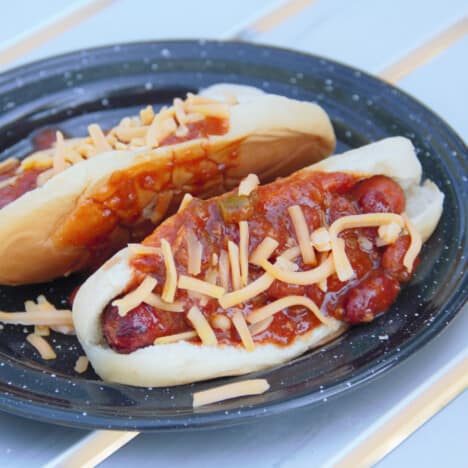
81,365
49,318
170,285
200,286
243,330
202,327
42,346
59,154
99,139
229,391
302,234
136,297
262,313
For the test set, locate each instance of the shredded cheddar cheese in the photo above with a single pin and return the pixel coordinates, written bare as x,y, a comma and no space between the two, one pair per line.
42,346
263,250
229,391
233,252
81,365
185,201
415,244
261,326
223,269
202,327
343,267
59,154
135,297
243,330
200,286
156,301
99,139
270,309
175,338
31,307
313,276
248,292
244,252
194,252
49,318
170,285
140,249
248,184
302,234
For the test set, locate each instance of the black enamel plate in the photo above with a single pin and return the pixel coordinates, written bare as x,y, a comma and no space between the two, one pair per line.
105,84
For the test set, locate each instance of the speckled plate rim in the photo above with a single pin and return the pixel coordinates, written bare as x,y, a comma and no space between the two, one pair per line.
64,416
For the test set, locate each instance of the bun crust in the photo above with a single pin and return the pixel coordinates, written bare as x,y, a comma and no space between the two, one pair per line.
183,362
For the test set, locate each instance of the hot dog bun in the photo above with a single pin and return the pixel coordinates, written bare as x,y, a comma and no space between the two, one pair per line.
183,362
268,134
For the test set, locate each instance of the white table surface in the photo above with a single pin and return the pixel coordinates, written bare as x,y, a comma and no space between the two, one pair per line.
364,33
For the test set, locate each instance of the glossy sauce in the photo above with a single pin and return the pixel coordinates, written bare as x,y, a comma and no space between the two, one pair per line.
123,203
323,197
116,207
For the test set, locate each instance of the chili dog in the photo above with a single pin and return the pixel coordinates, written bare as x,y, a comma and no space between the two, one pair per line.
70,208
255,277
